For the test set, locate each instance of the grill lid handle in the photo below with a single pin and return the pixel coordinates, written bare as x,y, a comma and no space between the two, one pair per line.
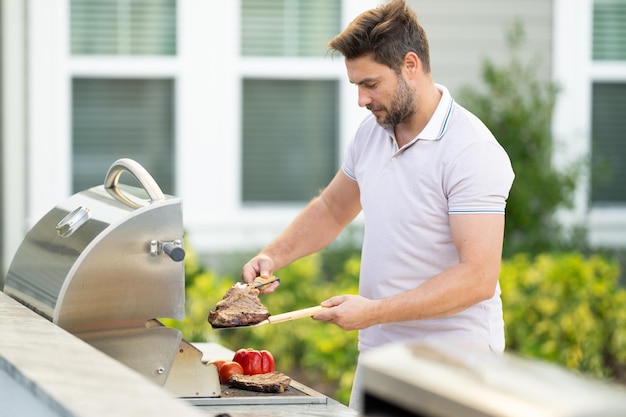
139,172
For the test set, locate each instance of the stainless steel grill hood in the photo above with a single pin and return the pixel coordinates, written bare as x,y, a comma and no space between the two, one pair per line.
104,265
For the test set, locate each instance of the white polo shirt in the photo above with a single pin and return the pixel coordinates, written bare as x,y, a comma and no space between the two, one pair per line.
454,165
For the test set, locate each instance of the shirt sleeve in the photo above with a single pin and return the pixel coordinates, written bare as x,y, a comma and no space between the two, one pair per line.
480,180
357,144
348,162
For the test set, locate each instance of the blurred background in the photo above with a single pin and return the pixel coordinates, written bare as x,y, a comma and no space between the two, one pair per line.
237,107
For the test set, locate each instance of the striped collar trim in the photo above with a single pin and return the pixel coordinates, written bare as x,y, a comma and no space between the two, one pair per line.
436,127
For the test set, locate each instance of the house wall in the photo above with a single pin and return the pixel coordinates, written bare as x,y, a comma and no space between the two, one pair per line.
462,34
35,132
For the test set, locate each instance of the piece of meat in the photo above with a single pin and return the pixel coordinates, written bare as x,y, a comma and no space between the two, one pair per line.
240,306
270,382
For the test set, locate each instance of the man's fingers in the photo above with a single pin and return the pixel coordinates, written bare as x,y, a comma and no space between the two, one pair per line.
333,301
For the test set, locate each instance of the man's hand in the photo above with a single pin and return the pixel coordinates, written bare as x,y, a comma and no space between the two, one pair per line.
259,266
350,312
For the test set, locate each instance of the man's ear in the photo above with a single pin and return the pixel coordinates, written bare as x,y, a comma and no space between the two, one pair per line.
412,63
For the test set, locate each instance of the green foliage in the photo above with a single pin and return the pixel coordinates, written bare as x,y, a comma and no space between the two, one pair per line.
517,107
317,354
566,309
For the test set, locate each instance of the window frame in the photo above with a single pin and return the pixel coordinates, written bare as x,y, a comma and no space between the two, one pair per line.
575,72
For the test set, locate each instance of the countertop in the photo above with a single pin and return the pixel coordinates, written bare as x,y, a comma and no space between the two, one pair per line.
65,376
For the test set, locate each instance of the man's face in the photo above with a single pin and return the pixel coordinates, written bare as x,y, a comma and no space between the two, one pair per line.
382,90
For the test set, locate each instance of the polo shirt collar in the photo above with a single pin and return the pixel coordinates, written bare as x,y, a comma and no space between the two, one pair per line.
438,123
436,126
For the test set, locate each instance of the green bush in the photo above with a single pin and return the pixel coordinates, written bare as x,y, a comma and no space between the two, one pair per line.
517,107
566,309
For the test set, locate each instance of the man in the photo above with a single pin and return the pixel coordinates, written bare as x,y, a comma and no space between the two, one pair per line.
432,182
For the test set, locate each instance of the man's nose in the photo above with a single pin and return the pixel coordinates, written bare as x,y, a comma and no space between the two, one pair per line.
364,98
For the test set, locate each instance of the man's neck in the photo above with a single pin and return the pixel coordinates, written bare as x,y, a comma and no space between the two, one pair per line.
424,109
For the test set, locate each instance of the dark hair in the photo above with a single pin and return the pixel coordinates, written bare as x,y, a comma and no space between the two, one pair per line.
386,33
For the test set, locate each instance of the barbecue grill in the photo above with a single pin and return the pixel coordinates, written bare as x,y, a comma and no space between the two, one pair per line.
107,263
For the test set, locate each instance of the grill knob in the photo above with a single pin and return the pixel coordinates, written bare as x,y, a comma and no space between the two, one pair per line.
174,251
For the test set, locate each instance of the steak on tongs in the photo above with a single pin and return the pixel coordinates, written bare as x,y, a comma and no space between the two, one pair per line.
240,306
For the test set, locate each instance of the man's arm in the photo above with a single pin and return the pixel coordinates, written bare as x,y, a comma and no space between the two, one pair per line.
314,228
478,239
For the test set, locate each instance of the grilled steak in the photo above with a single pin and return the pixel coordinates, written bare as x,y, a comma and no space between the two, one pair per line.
239,307
270,382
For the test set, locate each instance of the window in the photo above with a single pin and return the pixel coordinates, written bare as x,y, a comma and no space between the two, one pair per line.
290,123
609,30
288,27
289,138
115,118
609,103
609,143
118,116
123,27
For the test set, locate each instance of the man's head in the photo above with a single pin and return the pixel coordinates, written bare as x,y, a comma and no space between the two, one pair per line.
386,93
386,34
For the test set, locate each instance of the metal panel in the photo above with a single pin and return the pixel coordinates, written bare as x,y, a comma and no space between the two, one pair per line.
447,380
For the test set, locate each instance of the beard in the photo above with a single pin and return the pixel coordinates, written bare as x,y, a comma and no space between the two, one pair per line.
402,106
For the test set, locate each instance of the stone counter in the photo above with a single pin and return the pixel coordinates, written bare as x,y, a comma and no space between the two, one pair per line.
46,371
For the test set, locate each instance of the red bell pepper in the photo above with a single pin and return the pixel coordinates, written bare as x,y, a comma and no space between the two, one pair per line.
267,361
254,362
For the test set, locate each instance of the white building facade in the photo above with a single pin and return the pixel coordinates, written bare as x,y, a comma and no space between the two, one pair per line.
237,107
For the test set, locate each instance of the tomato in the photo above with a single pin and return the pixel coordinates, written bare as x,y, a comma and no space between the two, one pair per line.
254,362
218,363
229,369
